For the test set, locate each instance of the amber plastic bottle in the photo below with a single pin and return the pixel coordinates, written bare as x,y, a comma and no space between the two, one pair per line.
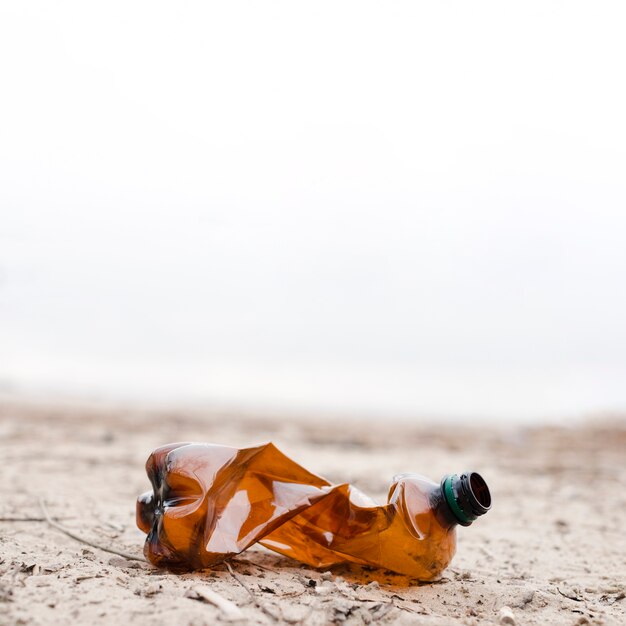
211,502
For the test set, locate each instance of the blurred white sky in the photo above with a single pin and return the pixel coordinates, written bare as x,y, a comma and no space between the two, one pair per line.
392,208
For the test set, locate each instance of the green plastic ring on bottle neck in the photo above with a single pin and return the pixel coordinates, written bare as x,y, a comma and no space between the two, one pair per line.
463,518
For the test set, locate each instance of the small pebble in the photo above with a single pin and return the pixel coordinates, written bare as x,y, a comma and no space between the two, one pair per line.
325,588
149,590
506,617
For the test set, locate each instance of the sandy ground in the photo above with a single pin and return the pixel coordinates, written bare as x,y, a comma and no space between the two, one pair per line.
552,550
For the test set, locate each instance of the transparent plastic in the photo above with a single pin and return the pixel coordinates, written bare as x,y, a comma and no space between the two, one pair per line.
211,502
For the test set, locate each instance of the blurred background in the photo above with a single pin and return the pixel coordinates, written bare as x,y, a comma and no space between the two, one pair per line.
406,209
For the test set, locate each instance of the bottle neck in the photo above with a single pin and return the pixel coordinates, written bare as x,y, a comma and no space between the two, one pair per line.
461,499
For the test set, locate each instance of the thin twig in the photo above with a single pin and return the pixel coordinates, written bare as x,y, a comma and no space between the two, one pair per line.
205,594
386,607
254,598
487,553
574,598
247,562
73,535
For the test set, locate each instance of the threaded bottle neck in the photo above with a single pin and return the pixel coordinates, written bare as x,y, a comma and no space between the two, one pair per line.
466,495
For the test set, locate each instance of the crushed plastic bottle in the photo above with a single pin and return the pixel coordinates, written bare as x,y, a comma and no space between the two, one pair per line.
210,502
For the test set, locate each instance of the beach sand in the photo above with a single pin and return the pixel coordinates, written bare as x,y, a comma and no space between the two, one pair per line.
551,550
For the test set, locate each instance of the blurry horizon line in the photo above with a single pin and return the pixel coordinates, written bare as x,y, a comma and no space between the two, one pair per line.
340,402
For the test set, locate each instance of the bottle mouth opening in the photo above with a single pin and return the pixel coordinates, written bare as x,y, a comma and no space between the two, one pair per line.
479,490
467,496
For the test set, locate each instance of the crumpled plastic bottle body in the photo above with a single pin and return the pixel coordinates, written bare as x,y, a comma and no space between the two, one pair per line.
211,502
